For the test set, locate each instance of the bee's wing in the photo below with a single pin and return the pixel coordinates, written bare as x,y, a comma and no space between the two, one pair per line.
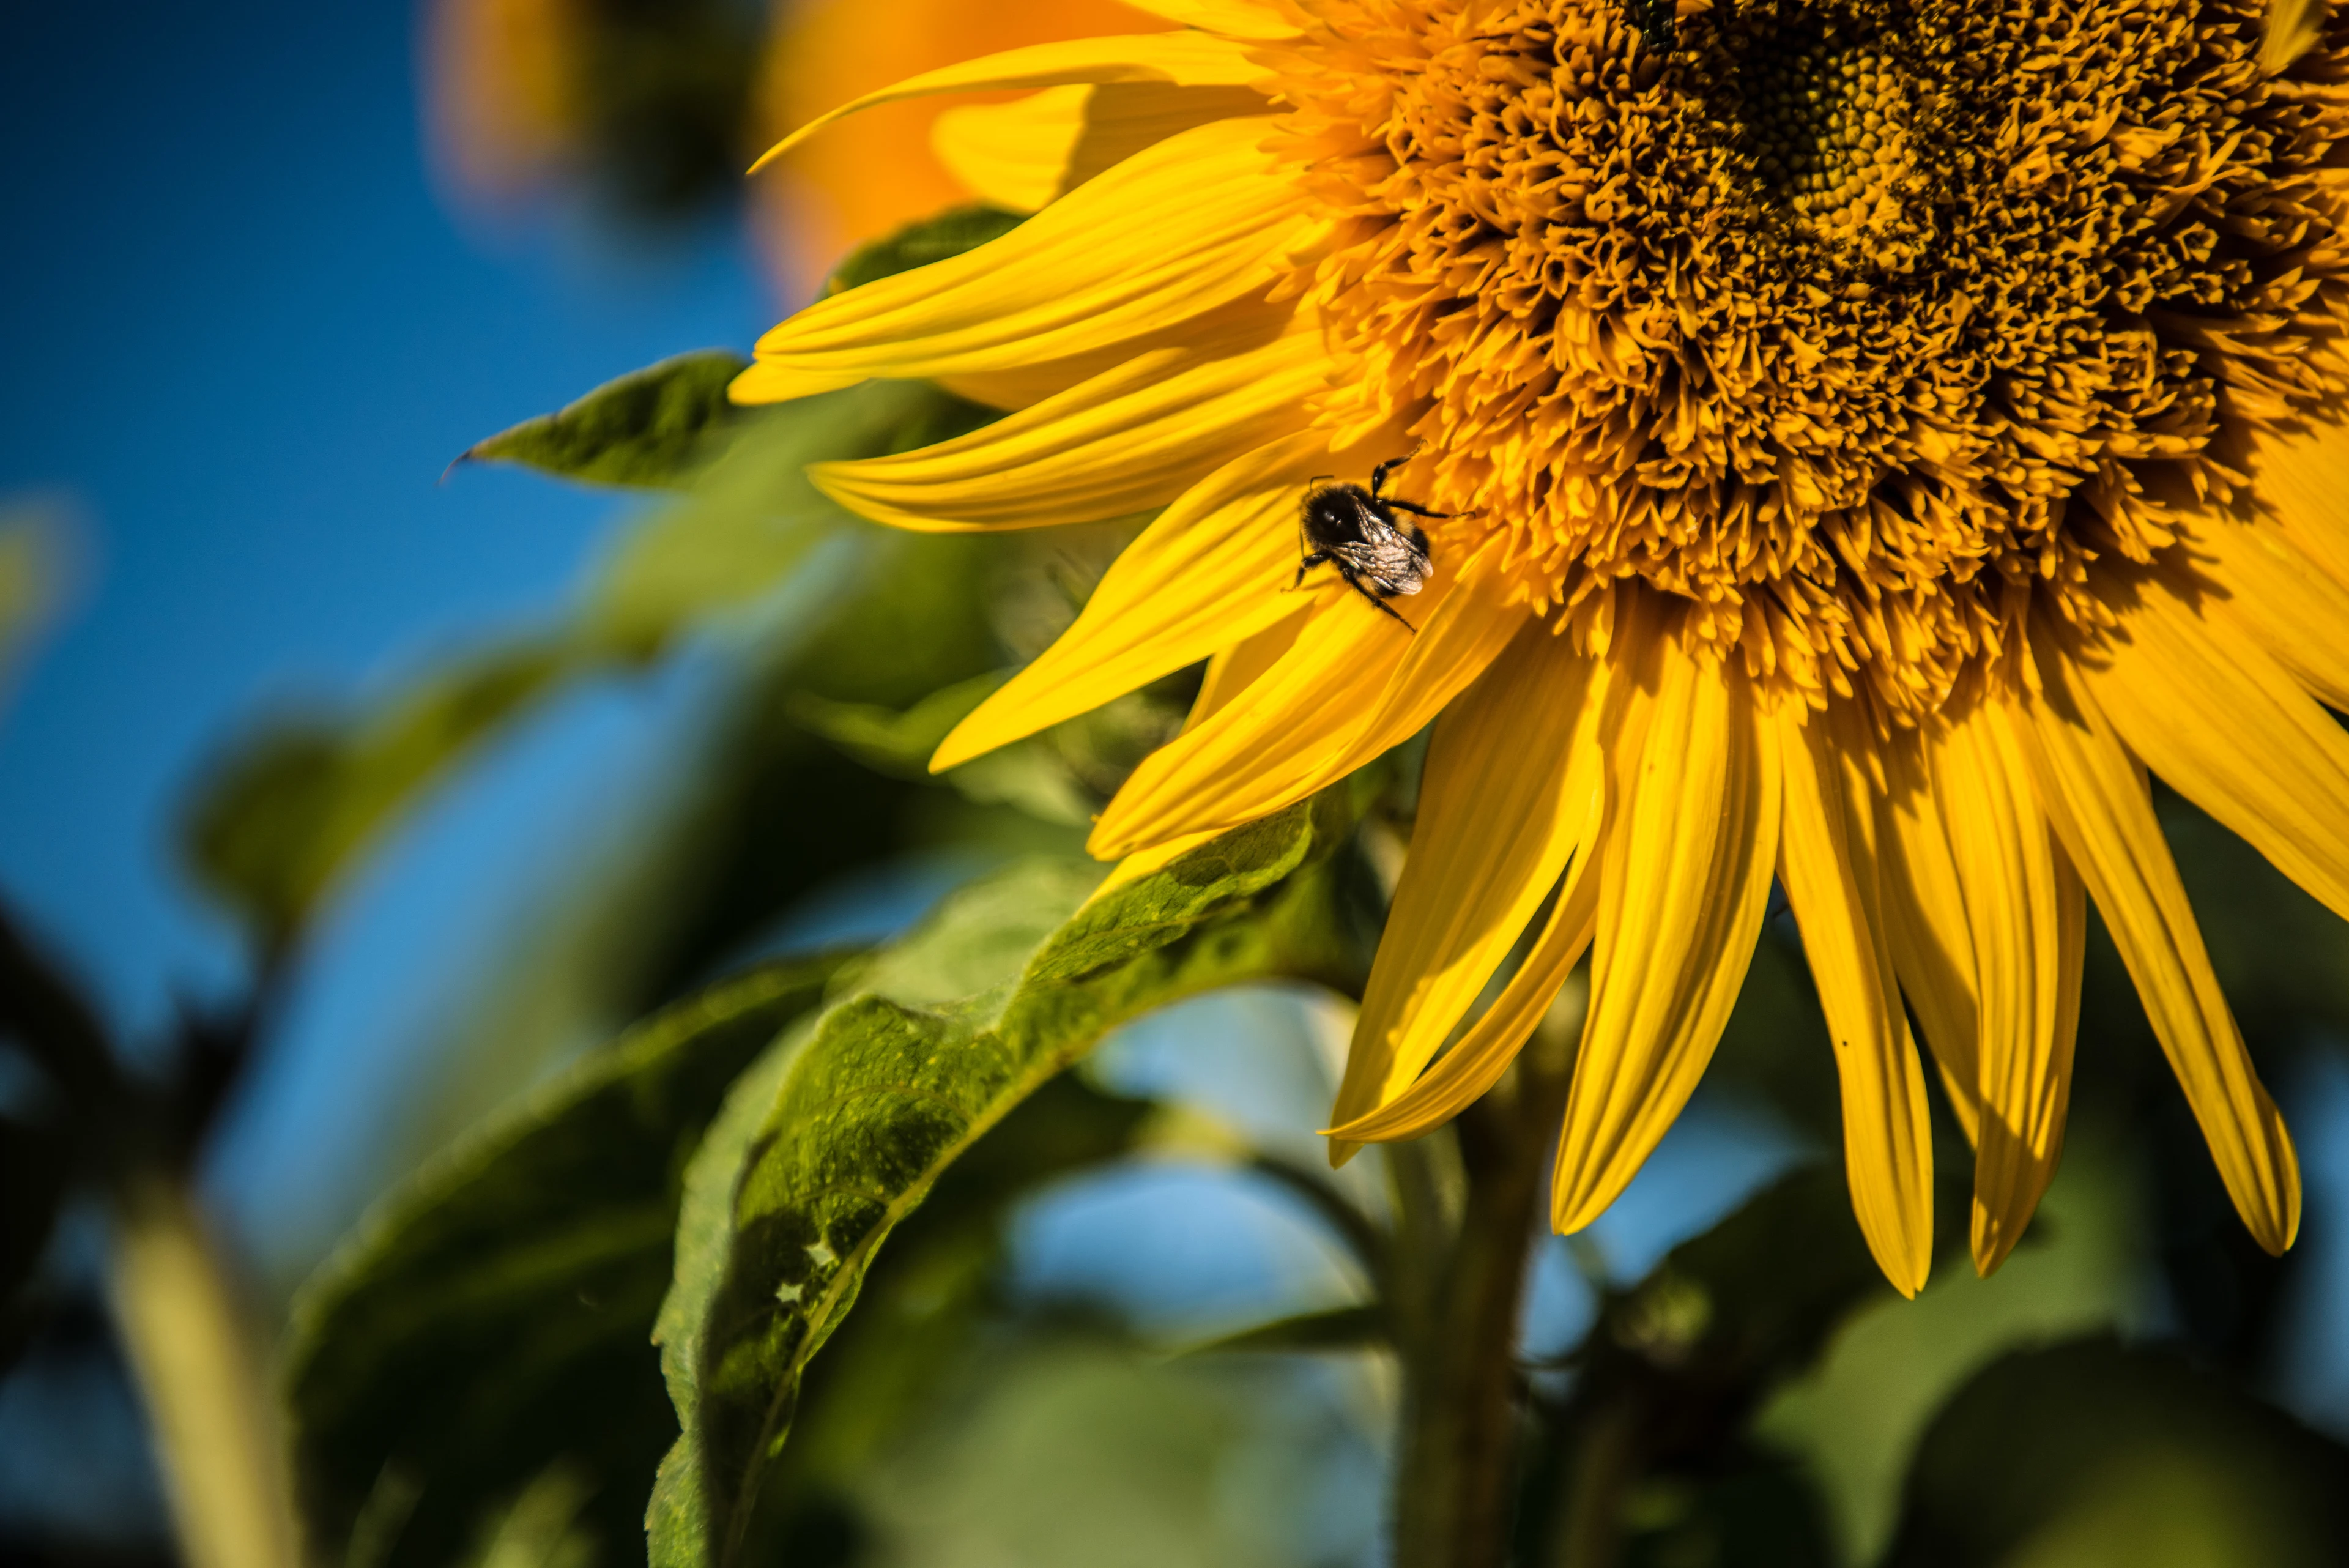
1388,559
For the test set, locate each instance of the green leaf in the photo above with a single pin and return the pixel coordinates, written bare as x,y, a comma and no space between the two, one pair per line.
490,1326
931,239
1012,980
929,1290
886,740
1345,1328
656,428
705,1224
281,816
925,1297
661,427
2093,1452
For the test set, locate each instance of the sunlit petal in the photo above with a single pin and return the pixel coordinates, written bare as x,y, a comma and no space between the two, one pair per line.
1208,573
1120,443
1827,859
1198,220
1475,1063
1684,880
2028,919
1506,797
1925,925
2202,705
1182,59
1024,154
2101,809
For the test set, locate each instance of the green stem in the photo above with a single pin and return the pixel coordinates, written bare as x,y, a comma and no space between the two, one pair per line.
214,1424
1457,1481
1604,1463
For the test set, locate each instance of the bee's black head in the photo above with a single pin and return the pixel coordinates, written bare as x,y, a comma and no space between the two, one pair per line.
1343,514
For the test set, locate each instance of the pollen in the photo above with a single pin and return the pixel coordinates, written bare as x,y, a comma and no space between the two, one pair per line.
1867,328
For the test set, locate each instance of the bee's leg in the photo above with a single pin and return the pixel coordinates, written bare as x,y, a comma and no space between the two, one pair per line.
1354,582
1415,509
1379,475
1318,557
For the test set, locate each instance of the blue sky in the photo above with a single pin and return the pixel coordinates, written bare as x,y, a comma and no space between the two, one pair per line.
243,339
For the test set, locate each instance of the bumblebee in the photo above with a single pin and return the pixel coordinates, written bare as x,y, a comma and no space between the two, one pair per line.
1380,554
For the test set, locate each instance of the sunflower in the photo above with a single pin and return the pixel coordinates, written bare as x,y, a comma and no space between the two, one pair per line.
1874,434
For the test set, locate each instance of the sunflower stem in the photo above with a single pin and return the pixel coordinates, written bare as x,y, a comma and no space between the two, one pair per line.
1604,1463
215,1429
1457,1479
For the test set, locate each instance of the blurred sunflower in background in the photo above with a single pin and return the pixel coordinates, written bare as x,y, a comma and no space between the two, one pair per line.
1868,438
835,194
657,108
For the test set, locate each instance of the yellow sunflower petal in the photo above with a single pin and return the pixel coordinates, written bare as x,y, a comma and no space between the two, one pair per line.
1229,674
1502,802
1025,153
1015,154
2195,699
2290,602
1256,757
2302,479
2028,919
1477,1063
1826,860
1925,923
2101,809
1184,58
1206,574
1232,19
1240,666
1357,682
1198,220
1120,443
1684,880
1458,640
1030,383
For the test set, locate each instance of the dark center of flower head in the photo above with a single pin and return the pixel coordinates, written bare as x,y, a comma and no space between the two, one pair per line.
1859,326
1829,124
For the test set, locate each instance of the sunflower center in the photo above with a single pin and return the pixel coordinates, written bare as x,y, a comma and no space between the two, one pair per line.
1828,123
1859,326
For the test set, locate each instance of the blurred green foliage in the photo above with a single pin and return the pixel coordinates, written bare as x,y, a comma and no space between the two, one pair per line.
487,1329
2098,1452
